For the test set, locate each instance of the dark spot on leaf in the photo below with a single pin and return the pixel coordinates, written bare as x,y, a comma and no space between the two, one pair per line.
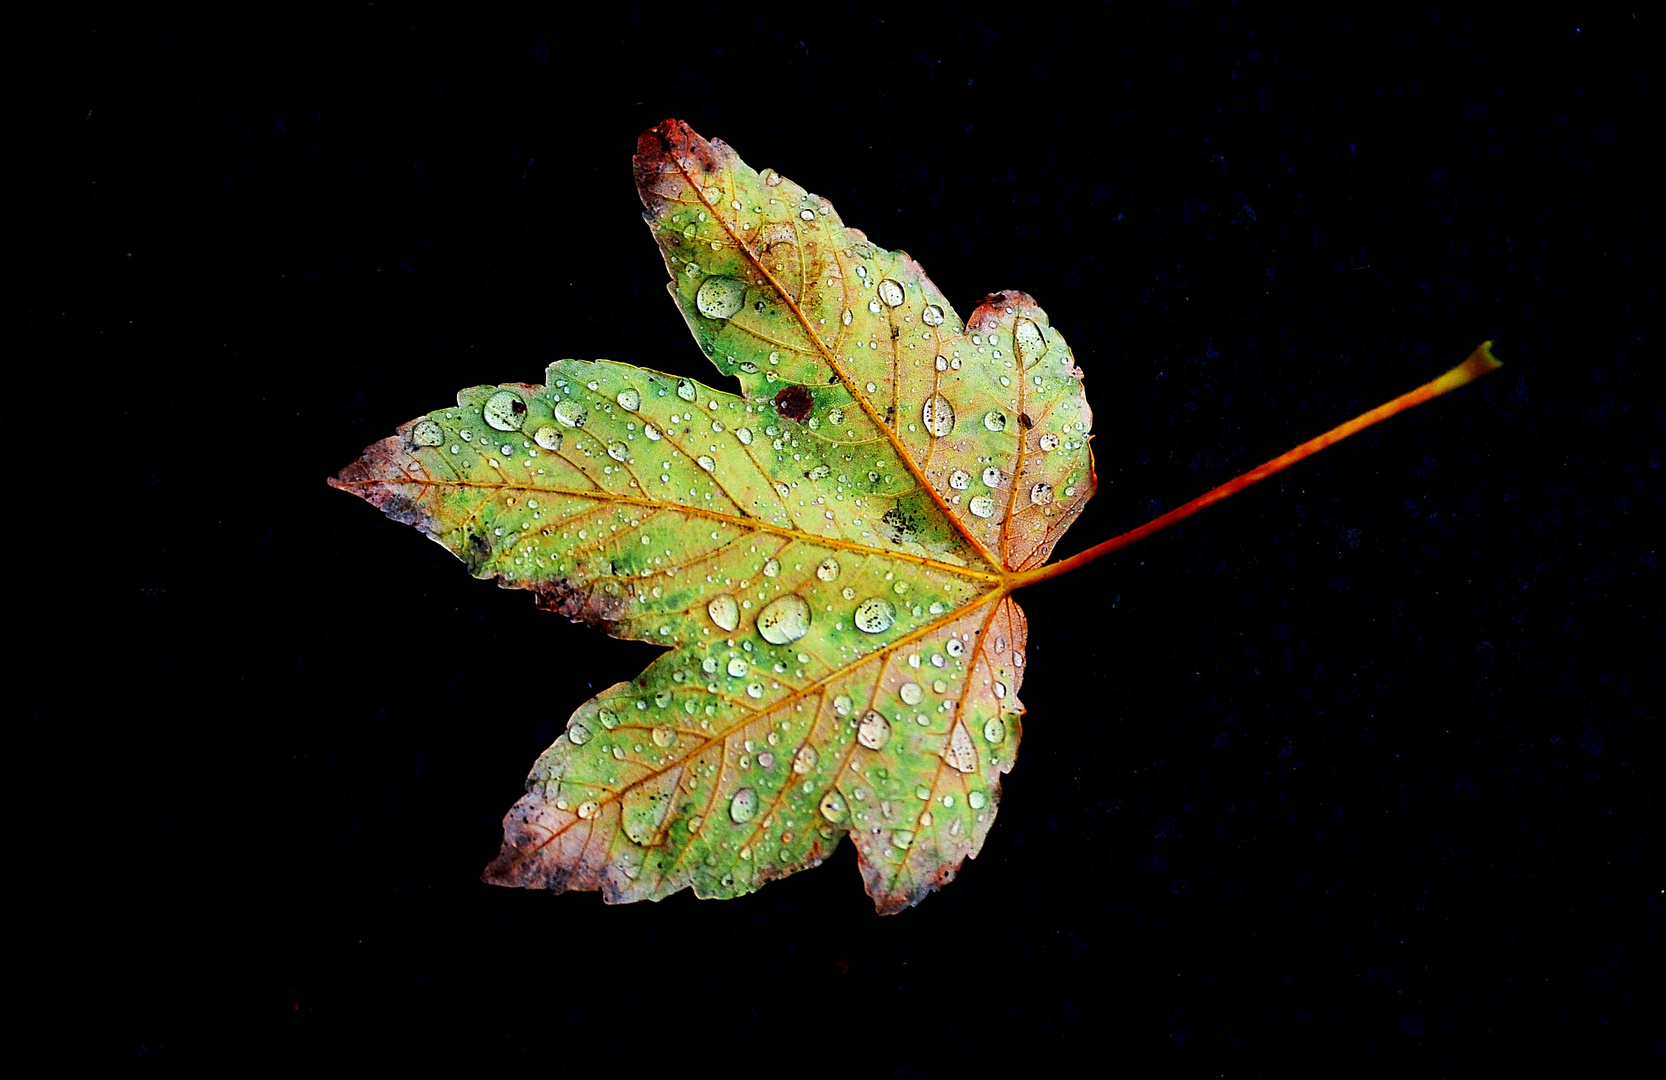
794,403
1024,418
518,407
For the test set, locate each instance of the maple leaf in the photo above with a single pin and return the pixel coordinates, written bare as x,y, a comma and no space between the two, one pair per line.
828,557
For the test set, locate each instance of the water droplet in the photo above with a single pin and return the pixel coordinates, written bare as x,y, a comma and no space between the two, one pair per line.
874,731
772,568
975,800
891,292
784,620
743,805
744,435
959,480
1029,340
902,838
820,472
705,462
685,390
1048,442
994,477
875,615
610,720
981,506
829,569
960,754
588,808
807,215
505,411
995,420
994,729
630,398
1000,689
618,451
720,297
937,415
664,735
766,760
737,667
835,417
833,807
427,433
1041,494
579,733
874,308
724,612
805,761
654,434
571,413
846,317
932,315
911,693
941,364
843,705
755,690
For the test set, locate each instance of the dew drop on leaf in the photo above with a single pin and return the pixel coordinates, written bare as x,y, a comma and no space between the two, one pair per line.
875,615
874,731
995,420
829,569
630,398
1041,494
891,292
911,693
833,807
427,433
1029,341
724,612
932,315
805,761
505,411
975,800
937,415
994,729
685,390
743,805
548,436
784,620
571,413
720,297
579,733
981,506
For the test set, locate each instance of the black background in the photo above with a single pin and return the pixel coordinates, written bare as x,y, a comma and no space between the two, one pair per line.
1353,774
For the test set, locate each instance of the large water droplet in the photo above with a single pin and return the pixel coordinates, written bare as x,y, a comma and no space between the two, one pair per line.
705,462
891,292
743,805
618,451
932,315
505,411
654,434
772,568
902,838
737,667
960,754
1048,442
1041,494
954,647
685,390
784,620
874,731
664,735
630,398
937,415
843,705
829,569
833,807
720,297
805,761
579,733
959,480
875,615
994,729
427,433
995,420
994,477
571,413
724,612
911,693
1030,341
975,800
548,436
981,506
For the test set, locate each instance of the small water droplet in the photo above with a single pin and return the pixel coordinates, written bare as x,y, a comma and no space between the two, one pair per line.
911,693
995,420
975,800
766,760
618,451
941,364
937,415
846,317
891,292
427,433
664,735
835,417
1041,494
705,462
994,729
685,390
994,477
843,705
654,434
579,733
960,754
833,807
505,411
807,215
737,667
875,615
588,808
744,435
829,569
805,761
571,413
902,838
1048,442
981,506
1029,340
772,568
959,480
784,620
609,719
724,612
874,731
932,315
720,297
630,398
743,805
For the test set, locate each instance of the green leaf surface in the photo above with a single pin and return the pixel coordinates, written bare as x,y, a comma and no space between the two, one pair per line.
828,556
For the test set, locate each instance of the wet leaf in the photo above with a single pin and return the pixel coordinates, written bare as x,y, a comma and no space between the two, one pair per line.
827,556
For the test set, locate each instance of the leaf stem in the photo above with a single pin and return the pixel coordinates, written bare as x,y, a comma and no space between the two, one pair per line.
1478,364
